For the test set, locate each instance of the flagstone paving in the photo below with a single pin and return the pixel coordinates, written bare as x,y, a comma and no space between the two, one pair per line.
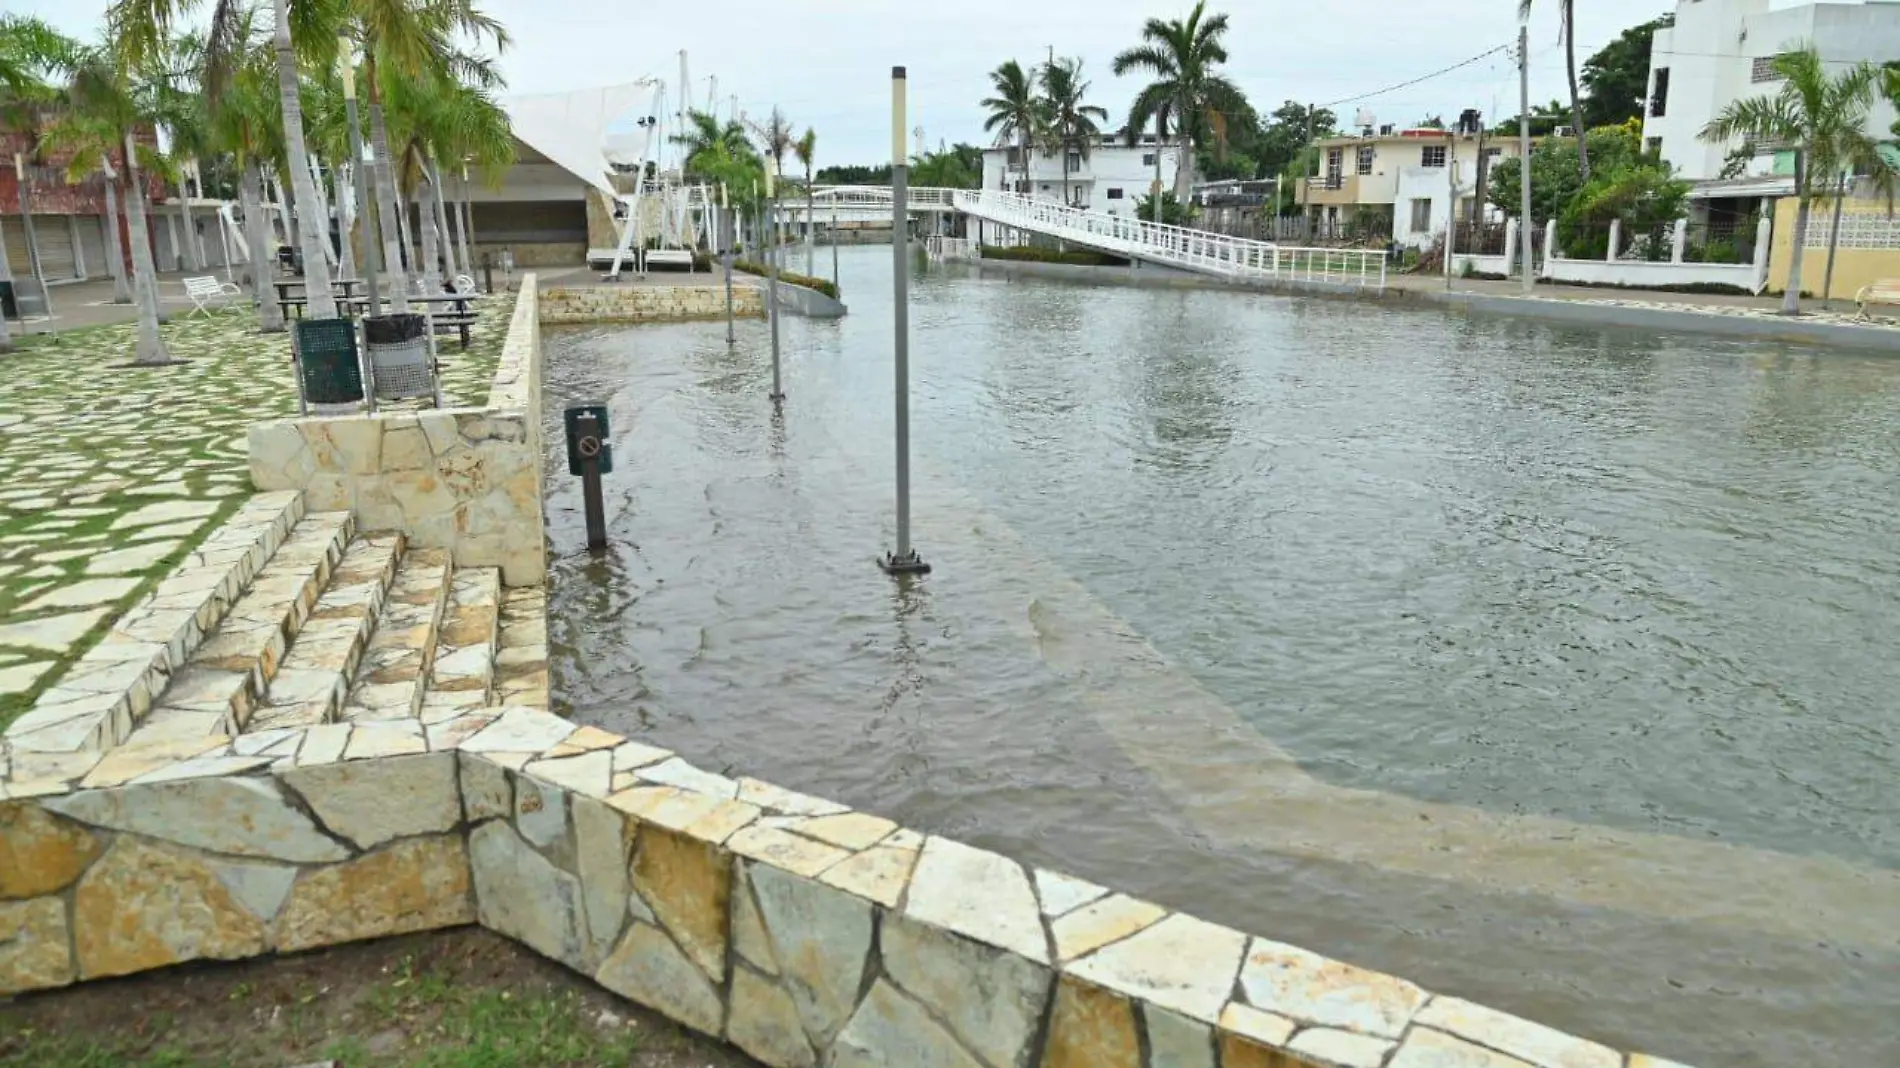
109,474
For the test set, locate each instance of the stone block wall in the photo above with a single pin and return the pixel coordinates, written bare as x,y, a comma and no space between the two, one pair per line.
649,303
463,479
800,931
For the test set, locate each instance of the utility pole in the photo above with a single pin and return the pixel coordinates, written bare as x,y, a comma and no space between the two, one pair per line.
904,559
1157,187
1525,281
771,296
1451,201
725,221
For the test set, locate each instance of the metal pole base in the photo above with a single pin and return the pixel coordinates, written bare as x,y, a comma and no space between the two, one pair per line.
776,398
892,564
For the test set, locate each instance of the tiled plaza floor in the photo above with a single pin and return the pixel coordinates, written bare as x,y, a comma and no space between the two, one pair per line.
109,474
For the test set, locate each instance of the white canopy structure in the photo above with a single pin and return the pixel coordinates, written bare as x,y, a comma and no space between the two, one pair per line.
571,128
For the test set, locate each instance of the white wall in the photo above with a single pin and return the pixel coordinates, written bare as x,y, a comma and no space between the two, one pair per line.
1108,168
1710,57
1417,182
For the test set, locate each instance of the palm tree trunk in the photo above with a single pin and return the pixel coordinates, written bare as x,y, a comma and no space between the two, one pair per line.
441,220
384,189
310,236
151,344
431,241
194,256
1576,102
270,317
467,212
345,223
1791,300
115,247
1833,242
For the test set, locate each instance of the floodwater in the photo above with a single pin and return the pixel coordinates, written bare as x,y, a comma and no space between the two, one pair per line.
1544,666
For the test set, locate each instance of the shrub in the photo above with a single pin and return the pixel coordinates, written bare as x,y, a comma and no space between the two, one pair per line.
1035,254
822,285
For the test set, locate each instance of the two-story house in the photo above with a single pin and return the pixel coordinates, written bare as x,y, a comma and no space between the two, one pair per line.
1398,184
1110,178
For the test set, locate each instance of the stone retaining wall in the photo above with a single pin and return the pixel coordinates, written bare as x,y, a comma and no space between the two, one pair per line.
649,303
800,931
463,479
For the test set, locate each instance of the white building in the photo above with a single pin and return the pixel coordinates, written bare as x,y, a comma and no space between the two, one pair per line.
1399,183
1723,50
1112,177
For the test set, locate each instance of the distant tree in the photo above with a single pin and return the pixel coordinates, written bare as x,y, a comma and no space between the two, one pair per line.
1617,77
949,169
1173,212
1287,132
1545,119
1015,112
856,174
1071,123
1188,93
1430,122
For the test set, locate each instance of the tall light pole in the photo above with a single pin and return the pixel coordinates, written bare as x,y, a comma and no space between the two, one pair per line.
904,559
1525,281
366,209
771,296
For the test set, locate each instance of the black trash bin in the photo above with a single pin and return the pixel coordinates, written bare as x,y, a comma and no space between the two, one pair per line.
399,355
326,358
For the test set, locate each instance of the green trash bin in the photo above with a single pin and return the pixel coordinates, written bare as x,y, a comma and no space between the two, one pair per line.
326,358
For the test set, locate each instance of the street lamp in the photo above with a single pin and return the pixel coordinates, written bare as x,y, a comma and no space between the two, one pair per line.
771,296
904,559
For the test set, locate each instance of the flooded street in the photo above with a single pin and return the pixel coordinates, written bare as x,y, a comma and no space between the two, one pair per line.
1547,667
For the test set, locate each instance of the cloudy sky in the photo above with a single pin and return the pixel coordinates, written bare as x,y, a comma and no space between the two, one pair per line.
827,62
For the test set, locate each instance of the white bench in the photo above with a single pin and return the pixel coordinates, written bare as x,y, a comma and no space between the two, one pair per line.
205,289
1885,291
670,257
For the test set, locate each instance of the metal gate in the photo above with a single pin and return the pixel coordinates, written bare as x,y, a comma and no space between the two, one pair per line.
55,234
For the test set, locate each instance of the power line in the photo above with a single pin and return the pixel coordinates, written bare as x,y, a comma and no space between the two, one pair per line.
1415,81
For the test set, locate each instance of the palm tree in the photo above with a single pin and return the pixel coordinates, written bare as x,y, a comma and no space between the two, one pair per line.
944,170
106,104
247,122
1072,123
1187,93
32,55
775,138
1823,119
1567,21
703,134
443,119
1015,112
805,148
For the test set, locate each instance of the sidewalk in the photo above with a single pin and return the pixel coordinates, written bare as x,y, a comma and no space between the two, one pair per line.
1843,309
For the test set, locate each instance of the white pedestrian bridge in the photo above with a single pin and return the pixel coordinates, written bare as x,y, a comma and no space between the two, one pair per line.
1238,259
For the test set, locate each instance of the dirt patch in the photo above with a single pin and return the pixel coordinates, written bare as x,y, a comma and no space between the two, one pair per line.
465,998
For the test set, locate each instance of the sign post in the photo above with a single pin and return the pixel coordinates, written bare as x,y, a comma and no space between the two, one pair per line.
590,456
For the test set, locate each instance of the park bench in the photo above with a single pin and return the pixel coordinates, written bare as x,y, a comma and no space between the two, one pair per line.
670,257
205,289
1885,291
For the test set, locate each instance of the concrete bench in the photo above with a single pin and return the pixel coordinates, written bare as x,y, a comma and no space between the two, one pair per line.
1885,291
205,289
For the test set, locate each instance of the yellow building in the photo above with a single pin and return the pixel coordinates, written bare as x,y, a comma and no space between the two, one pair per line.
1869,248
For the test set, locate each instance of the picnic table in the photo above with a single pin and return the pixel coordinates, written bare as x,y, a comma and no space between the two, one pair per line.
456,310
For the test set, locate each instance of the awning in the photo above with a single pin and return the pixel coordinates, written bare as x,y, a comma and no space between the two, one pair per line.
571,128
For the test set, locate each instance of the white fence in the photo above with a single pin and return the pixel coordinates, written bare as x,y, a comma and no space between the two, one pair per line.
1632,274
1176,246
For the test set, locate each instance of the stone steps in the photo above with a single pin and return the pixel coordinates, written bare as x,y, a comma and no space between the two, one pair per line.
314,680
222,681
395,668
463,676
109,690
521,664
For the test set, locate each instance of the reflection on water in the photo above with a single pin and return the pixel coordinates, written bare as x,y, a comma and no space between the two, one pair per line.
1489,570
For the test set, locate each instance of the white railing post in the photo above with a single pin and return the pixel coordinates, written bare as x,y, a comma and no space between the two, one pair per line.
1616,239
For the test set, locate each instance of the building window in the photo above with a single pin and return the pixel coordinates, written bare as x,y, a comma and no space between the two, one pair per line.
1365,159
1114,192
1075,161
1762,70
1432,156
1015,157
1421,215
1045,187
1147,159
1659,100
1653,146
1493,152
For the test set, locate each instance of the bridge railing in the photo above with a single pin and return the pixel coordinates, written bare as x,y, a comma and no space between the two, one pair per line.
1196,250
918,198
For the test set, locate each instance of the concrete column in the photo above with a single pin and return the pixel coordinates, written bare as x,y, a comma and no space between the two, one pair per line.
1510,247
1679,241
1616,239
1550,245
79,247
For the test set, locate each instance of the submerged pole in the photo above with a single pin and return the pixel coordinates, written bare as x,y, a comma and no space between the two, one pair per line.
725,223
904,559
771,297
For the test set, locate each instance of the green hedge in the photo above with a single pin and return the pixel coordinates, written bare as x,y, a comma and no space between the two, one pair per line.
822,285
1034,254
